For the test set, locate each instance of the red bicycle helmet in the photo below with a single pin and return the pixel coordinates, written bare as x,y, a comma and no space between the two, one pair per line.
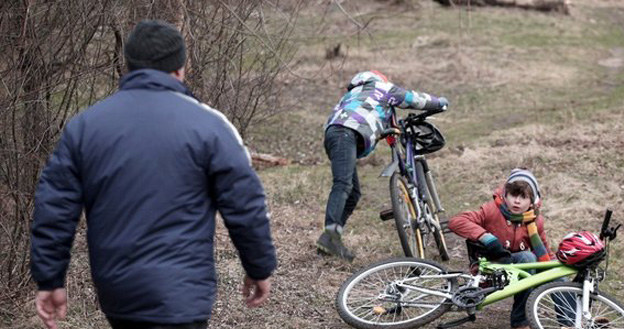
366,76
581,249
381,75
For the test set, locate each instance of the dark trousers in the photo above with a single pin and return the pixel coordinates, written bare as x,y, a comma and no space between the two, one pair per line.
565,305
125,324
518,315
341,148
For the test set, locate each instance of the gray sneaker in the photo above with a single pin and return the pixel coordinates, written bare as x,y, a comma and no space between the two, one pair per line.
331,243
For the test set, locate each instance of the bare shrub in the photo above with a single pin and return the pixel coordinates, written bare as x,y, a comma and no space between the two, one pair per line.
61,56
237,55
52,65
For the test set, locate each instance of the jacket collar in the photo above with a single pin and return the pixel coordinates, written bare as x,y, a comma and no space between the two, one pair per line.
150,79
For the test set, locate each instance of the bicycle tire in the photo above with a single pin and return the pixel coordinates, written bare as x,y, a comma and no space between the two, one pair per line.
537,321
404,215
381,283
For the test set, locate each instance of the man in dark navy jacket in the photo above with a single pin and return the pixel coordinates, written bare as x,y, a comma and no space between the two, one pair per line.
150,165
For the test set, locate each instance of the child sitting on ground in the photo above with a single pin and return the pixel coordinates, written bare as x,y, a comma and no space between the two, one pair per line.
511,229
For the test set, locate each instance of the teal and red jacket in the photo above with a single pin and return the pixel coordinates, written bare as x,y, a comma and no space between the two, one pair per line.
514,237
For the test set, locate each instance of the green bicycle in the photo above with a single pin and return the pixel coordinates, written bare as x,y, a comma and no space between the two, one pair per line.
410,292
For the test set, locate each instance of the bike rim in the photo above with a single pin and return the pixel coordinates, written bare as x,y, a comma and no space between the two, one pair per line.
420,244
365,295
605,314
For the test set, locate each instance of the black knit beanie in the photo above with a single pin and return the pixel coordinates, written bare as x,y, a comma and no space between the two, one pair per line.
155,45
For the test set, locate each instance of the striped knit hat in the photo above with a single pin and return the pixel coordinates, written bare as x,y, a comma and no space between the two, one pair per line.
524,175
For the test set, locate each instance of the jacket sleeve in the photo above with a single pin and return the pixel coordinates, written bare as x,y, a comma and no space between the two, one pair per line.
409,99
469,224
542,234
241,201
58,205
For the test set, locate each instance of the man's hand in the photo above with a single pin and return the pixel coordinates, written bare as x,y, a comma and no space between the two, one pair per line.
51,305
256,291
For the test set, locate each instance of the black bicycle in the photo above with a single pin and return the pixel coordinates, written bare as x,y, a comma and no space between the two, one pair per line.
416,206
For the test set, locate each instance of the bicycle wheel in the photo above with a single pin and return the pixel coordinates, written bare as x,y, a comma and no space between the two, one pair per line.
554,305
378,296
405,217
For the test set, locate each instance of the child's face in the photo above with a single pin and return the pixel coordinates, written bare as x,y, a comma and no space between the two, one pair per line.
517,204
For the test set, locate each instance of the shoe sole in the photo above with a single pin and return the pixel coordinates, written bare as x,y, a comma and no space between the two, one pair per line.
326,251
322,249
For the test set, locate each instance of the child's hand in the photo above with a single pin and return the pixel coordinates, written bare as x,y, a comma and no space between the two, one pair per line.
443,103
495,249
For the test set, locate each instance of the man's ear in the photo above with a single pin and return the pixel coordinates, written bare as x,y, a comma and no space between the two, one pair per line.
179,74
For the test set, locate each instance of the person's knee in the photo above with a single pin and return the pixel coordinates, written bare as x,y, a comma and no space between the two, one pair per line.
524,257
343,185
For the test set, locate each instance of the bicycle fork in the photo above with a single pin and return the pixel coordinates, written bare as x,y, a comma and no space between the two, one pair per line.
413,192
434,192
582,309
423,173
583,317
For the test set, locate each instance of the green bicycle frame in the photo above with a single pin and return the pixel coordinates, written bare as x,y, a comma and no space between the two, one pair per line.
548,271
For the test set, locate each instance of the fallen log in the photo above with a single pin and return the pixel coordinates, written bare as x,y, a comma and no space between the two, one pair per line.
262,160
561,6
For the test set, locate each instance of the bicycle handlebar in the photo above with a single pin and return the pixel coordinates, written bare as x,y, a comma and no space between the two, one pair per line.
411,118
607,232
421,116
605,223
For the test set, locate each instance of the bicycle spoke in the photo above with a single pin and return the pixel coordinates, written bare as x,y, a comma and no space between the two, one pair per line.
557,313
559,307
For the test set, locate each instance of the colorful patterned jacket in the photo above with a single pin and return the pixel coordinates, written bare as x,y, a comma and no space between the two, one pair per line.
366,107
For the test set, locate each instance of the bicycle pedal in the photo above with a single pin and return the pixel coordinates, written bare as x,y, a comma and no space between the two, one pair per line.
387,214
